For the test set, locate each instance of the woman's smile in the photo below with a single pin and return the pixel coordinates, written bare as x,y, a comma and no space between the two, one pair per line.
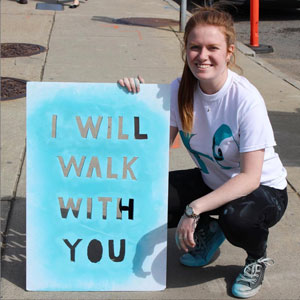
203,66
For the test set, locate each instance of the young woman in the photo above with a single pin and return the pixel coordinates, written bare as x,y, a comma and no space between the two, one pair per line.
223,123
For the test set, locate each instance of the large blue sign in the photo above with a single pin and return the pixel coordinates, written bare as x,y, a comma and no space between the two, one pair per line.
97,184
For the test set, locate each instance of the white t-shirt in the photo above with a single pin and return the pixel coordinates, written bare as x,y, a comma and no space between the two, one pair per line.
232,121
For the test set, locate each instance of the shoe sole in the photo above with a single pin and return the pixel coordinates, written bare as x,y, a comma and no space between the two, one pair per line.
245,295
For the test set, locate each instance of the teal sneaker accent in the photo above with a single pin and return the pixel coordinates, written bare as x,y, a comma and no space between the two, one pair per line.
249,281
208,238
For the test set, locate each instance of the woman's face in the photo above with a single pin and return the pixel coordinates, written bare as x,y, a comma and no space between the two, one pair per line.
207,56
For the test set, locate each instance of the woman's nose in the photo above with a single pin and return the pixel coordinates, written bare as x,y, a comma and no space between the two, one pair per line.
202,54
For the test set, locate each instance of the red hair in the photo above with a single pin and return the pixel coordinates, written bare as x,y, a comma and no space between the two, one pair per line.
202,16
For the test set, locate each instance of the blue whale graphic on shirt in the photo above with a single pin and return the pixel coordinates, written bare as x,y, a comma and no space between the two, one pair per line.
186,138
222,136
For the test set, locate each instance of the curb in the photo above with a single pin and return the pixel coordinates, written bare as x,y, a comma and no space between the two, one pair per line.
252,55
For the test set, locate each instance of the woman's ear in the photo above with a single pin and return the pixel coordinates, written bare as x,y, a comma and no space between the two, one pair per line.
230,51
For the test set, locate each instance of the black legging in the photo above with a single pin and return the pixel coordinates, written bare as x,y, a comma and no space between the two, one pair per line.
245,221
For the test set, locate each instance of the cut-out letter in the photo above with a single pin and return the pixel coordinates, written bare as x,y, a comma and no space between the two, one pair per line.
94,164
109,127
121,135
89,125
128,208
72,161
137,134
89,208
112,251
72,247
54,121
104,201
65,210
94,251
109,169
127,167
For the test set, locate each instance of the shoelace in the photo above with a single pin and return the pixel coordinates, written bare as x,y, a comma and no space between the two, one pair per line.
252,270
200,240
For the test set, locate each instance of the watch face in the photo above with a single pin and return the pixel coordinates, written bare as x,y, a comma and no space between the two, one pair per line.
189,211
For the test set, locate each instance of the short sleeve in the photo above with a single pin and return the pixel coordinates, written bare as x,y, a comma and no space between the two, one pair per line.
255,127
174,114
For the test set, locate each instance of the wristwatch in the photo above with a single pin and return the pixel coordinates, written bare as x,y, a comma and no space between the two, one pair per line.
189,212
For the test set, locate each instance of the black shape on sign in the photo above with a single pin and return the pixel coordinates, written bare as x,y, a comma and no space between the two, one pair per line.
94,251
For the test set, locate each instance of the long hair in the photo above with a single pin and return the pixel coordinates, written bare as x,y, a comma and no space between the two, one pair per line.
188,83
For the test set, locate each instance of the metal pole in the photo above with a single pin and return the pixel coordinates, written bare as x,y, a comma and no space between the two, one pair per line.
182,15
254,21
254,33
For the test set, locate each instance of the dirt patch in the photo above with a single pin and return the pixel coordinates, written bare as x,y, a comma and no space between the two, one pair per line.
20,49
12,88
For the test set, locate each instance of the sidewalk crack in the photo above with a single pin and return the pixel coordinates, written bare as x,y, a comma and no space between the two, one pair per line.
48,43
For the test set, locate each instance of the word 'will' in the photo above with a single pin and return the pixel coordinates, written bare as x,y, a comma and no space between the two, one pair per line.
94,128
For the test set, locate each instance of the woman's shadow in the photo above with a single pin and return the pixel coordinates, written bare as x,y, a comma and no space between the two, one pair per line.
178,276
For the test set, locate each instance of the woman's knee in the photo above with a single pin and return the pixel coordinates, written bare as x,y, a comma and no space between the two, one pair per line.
261,209
239,215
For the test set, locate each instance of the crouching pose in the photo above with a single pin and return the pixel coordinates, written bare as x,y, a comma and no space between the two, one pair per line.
223,123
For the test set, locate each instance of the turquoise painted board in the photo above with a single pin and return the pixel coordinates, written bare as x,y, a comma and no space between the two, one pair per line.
97,184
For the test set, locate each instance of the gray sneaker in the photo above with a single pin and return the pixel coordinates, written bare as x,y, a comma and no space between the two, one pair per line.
249,281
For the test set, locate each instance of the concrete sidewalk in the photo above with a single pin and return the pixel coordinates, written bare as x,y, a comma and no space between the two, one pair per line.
101,41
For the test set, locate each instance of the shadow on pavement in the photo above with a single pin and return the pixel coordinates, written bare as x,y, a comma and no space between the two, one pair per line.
13,263
197,276
159,23
286,130
179,276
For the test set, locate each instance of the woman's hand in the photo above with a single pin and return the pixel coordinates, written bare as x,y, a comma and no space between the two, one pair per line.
132,84
185,233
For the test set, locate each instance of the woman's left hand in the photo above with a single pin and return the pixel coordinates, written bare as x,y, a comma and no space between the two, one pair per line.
185,233
132,84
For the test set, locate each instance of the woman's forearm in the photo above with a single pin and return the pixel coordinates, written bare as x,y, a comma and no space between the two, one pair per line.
238,186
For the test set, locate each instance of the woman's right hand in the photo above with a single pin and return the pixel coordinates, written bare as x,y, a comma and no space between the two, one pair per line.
132,84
